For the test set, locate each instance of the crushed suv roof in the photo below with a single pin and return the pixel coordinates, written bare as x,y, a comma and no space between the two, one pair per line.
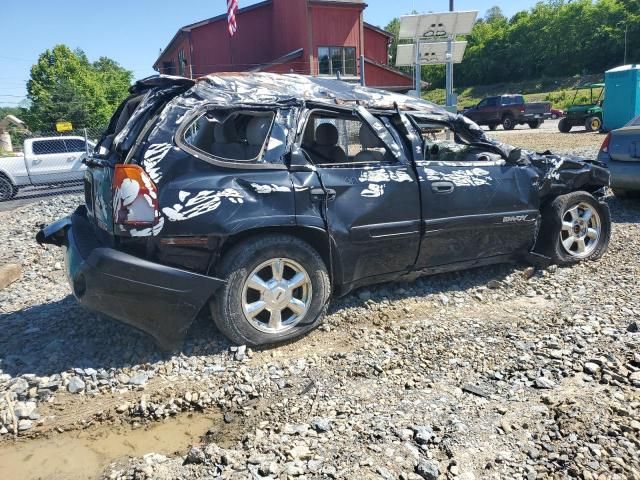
270,88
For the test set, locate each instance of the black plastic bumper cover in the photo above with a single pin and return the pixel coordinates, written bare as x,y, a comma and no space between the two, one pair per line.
159,300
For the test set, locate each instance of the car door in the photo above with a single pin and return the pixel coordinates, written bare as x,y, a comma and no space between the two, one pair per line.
476,206
478,114
46,160
486,111
367,192
74,168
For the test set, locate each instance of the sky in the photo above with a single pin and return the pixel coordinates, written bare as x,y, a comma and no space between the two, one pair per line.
132,32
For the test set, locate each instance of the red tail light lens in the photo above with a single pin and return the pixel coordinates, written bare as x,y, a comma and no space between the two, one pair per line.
605,145
135,197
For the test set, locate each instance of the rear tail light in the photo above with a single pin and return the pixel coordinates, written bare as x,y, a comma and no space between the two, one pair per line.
135,197
605,145
522,109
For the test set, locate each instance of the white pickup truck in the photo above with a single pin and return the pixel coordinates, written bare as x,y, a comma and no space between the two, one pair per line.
46,161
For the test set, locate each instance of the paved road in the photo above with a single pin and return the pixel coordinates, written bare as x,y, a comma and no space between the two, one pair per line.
36,194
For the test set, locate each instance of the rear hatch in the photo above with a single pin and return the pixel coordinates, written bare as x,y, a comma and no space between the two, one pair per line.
624,144
147,97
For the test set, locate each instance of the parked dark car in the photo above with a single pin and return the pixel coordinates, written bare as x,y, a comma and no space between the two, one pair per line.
620,151
261,196
508,111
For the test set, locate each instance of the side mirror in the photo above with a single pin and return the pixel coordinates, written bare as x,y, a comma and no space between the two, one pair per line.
514,155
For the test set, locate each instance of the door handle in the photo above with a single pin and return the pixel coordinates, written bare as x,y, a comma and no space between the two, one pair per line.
442,187
320,194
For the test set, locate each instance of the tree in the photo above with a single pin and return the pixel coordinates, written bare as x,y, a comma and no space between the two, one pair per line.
65,86
393,27
494,14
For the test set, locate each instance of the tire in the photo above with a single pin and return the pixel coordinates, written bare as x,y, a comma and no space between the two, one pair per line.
564,126
559,225
535,124
593,124
493,126
554,116
508,123
256,258
7,189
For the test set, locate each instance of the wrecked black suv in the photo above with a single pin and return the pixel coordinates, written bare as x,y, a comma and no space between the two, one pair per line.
262,195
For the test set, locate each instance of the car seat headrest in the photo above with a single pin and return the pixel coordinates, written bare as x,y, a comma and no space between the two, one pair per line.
327,135
257,130
368,139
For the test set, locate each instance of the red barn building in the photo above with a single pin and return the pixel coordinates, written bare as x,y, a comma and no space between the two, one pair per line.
311,37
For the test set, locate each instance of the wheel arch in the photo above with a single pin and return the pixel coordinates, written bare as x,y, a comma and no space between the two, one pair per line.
315,236
7,175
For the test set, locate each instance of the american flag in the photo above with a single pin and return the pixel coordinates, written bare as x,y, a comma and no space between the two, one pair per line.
232,8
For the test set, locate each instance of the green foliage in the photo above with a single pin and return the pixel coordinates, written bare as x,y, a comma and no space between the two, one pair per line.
65,86
556,38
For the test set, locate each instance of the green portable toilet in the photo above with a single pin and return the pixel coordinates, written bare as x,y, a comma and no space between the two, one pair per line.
622,96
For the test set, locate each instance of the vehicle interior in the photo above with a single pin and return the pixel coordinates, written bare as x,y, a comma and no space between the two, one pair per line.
239,136
440,144
338,139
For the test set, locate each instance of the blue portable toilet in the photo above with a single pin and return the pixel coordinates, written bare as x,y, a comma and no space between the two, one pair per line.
622,96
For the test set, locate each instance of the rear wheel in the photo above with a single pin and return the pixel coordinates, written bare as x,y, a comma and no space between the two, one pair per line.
7,189
508,123
535,124
564,126
575,227
277,290
593,124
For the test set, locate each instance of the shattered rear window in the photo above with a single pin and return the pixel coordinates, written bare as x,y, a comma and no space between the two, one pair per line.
238,136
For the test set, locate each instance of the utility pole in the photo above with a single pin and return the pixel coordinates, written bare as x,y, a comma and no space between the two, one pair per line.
626,34
449,72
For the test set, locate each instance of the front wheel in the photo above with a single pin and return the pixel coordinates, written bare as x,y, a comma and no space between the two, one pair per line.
575,227
564,126
277,290
535,124
493,126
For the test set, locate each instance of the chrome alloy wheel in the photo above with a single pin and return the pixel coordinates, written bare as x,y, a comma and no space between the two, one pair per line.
276,295
581,230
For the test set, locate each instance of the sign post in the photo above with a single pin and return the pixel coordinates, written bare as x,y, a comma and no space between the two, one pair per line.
434,43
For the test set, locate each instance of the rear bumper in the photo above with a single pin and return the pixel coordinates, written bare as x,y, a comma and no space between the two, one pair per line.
159,300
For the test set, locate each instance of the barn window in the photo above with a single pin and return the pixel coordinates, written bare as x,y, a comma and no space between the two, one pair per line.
332,60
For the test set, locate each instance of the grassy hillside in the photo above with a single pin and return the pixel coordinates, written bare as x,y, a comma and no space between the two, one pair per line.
558,91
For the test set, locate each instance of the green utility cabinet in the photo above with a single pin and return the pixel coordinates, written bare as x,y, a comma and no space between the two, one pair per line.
622,97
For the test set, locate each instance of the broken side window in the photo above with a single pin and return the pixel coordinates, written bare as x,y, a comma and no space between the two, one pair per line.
336,138
238,136
441,144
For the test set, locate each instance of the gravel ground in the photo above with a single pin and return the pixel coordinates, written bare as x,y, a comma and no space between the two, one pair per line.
501,372
547,137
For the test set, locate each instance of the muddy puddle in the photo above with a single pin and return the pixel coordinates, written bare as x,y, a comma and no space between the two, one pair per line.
84,455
